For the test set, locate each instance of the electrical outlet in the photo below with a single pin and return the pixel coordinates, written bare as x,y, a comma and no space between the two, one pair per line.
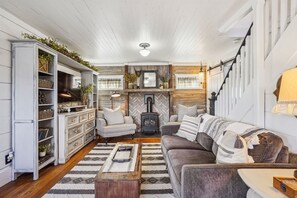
8,158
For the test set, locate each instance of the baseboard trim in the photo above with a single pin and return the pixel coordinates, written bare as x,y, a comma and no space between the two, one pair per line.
5,175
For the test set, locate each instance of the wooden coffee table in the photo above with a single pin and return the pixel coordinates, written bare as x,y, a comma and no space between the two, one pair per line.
119,184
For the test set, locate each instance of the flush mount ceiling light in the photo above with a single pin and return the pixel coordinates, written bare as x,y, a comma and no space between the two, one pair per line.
144,51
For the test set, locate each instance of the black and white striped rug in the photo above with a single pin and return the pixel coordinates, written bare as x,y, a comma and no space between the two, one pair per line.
79,182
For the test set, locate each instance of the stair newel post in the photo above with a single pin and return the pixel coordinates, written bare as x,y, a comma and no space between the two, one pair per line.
212,101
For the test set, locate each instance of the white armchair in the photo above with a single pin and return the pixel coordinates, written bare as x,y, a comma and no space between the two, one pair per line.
107,131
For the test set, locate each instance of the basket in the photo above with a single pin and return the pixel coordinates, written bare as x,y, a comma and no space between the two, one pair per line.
43,65
44,114
44,83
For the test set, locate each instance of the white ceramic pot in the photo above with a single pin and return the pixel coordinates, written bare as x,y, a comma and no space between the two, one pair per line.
42,154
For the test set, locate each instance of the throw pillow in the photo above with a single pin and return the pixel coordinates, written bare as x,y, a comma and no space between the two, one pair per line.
232,149
189,128
184,110
113,116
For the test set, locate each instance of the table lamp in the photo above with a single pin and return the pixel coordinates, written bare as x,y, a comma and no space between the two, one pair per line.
287,99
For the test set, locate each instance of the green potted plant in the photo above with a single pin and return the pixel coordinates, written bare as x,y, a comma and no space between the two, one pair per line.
84,92
42,149
131,79
165,79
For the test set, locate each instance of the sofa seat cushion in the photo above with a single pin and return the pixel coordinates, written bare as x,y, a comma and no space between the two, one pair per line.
178,158
170,142
119,127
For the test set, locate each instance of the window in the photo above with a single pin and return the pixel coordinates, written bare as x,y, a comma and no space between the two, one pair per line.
189,81
110,82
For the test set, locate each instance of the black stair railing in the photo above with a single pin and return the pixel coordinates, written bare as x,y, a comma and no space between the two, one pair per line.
235,58
215,95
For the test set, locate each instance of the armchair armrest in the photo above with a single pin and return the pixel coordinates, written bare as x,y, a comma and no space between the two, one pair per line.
170,128
128,120
173,118
100,123
218,180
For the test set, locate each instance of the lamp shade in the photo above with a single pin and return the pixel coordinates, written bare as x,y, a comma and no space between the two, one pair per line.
144,52
287,102
115,95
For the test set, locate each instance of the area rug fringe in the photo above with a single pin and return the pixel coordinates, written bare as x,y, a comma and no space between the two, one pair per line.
79,182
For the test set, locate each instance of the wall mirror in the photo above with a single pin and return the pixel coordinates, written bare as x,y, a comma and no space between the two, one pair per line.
150,79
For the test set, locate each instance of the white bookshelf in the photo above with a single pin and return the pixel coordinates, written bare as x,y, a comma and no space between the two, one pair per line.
30,131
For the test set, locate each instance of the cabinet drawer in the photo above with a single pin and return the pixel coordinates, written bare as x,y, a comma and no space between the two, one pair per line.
72,120
89,125
83,117
89,136
91,115
75,144
74,131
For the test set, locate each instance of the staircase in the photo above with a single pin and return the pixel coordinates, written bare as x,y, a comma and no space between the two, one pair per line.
235,97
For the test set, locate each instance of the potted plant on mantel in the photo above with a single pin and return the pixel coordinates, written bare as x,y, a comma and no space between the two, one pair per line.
131,79
165,79
84,92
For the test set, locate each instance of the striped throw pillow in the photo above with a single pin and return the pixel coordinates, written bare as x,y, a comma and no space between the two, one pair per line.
189,128
232,149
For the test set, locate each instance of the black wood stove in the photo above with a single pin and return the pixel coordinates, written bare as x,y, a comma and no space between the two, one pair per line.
149,119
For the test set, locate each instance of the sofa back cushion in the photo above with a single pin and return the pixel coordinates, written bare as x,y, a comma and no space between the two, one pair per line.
184,110
205,141
268,149
189,128
113,116
232,149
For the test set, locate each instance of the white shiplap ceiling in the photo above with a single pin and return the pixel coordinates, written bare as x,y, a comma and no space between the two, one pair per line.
109,31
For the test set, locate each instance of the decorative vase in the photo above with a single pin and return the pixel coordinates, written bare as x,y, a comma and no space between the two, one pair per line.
165,85
130,85
84,99
42,154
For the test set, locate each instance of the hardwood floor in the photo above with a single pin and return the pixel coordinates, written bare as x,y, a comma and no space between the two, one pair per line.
25,186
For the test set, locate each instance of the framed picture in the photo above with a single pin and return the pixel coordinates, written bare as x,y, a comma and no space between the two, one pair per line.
150,79
42,133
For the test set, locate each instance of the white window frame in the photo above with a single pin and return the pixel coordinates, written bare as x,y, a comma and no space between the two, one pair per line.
199,77
116,77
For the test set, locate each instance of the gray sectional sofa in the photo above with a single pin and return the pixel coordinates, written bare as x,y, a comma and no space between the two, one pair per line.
192,165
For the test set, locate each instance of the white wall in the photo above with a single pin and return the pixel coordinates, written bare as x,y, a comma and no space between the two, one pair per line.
282,57
10,28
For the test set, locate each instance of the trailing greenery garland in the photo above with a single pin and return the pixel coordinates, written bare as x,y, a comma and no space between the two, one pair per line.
52,43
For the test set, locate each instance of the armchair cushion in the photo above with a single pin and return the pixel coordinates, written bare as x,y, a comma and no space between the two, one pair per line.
113,116
128,120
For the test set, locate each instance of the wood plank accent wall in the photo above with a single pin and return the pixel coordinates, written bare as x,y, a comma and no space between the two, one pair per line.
188,97
104,96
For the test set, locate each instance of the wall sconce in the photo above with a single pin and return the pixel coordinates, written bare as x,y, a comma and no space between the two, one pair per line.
287,98
114,95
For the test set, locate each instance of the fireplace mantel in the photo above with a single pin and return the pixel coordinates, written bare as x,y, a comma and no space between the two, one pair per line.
147,90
